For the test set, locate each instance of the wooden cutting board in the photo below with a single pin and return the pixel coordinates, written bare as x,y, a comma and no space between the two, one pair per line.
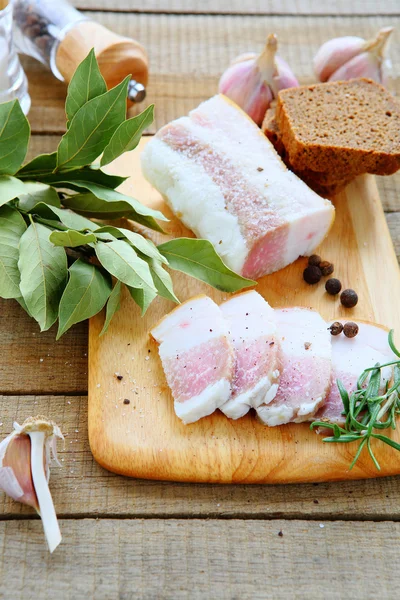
145,439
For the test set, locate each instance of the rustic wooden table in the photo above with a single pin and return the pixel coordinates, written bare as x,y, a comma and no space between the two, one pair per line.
144,539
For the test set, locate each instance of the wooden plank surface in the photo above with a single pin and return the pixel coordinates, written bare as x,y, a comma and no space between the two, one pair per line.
81,488
180,80
256,7
196,559
146,439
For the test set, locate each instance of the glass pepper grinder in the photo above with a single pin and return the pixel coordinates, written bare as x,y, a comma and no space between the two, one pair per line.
13,82
60,36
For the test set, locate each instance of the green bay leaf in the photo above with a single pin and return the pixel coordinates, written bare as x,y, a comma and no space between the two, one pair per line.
198,258
139,242
75,179
120,259
71,238
10,188
12,226
127,136
85,294
69,219
87,82
43,269
103,203
92,128
143,297
14,137
113,305
162,280
35,192
39,166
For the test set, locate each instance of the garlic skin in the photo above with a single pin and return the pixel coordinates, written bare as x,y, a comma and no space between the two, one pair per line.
25,457
254,81
349,57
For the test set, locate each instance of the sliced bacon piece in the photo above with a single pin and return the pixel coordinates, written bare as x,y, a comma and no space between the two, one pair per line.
224,180
350,357
252,328
306,367
197,357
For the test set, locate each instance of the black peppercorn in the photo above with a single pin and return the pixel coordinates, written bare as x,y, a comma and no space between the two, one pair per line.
336,328
350,329
333,286
348,298
326,268
312,274
314,260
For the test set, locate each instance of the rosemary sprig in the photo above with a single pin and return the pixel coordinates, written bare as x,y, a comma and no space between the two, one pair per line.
366,410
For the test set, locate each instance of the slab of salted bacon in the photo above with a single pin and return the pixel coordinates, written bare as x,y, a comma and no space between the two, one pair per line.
197,357
306,367
224,180
252,328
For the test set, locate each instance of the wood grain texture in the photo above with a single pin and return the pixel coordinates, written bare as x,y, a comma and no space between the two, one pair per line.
146,439
83,489
192,559
188,53
256,7
33,362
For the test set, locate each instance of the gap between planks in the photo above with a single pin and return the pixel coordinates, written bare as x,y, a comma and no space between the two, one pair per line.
238,516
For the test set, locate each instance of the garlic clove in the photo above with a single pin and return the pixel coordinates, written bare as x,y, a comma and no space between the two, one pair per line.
243,84
362,65
253,81
25,457
335,53
370,63
285,77
15,472
338,59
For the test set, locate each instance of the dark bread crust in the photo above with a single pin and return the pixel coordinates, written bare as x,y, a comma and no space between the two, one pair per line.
349,127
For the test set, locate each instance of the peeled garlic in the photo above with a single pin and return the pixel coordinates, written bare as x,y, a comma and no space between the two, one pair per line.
254,81
25,457
348,57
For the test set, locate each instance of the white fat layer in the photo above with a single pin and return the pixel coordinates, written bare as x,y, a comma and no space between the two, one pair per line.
205,403
241,404
249,317
303,333
273,415
307,232
193,323
307,409
369,346
195,199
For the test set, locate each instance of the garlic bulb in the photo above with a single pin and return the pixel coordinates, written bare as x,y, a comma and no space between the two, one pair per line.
348,57
254,81
25,457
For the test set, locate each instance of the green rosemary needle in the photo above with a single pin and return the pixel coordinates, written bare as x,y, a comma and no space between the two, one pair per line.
366,410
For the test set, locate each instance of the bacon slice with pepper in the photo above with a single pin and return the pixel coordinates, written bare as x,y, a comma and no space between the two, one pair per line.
224,180
197,357
350,356
252,328
306,367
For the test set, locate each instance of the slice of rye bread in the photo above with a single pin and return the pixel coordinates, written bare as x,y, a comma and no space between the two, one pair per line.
323,178
323,183
344,126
